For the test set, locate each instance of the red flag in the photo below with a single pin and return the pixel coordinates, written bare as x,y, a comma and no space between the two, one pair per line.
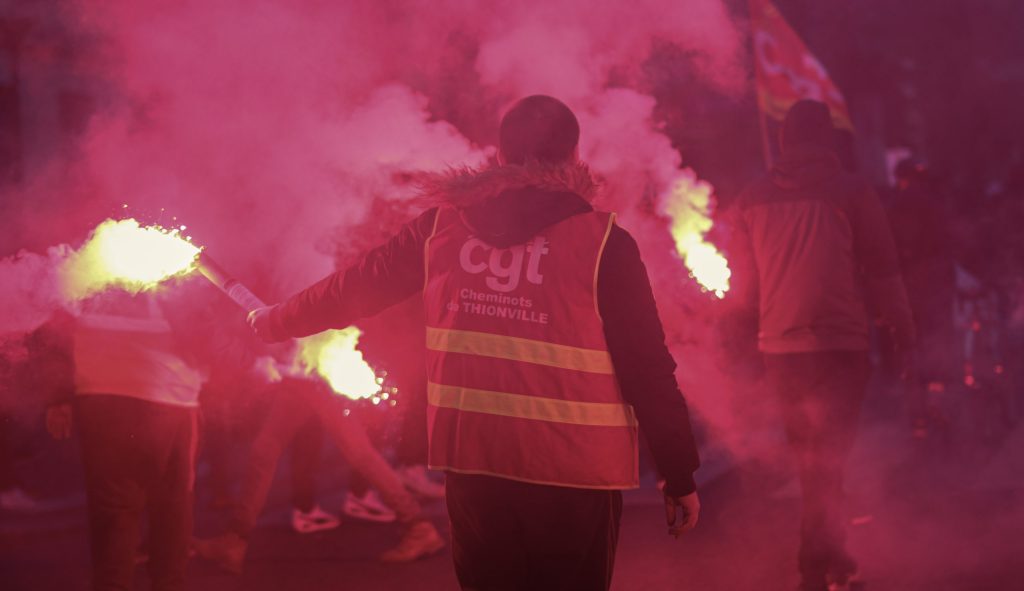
786,70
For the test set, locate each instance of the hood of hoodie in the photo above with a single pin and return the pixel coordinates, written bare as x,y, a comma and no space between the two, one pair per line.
805,166
509,205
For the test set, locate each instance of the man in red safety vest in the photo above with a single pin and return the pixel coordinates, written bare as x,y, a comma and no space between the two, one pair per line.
545,353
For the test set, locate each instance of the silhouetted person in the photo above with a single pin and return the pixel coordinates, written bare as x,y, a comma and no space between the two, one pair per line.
136,394
812,245
924,242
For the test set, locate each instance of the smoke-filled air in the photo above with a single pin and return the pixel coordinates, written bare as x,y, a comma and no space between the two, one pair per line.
278,133
357,294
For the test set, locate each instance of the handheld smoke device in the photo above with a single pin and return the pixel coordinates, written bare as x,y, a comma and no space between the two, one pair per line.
231,287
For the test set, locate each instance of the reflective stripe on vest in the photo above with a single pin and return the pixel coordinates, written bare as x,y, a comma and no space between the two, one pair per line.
516,349
521,384
537,408
131,355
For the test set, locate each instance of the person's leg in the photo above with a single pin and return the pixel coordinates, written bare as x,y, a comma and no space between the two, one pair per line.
487,539
305,461
216,445
115,458
820,396
794,379
288,412
844,395
171,501
307,516
570,537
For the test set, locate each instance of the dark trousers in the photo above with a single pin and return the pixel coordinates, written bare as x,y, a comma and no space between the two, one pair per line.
138,455
512,536
307,447
820,396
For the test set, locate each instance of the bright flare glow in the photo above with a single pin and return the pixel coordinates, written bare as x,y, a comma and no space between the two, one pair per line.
333,355
126,255
688,204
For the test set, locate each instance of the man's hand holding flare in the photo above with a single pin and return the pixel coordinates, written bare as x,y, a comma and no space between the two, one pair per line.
259,322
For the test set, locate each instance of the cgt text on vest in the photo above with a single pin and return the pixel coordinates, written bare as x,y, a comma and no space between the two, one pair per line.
506,265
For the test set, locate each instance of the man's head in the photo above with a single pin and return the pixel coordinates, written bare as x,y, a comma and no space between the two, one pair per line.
807,123
538,128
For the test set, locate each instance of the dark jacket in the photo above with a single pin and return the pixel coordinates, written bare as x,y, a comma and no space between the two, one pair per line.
813,251
507,212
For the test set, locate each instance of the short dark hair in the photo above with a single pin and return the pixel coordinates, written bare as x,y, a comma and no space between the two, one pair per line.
808,122
539,128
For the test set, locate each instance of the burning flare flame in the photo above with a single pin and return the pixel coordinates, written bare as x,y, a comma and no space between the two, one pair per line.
334,357
125,254
688,203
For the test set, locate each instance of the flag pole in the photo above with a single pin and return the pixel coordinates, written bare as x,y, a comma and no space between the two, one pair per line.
766,142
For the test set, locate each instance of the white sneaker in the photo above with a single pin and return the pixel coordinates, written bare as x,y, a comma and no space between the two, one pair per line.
368,507
316,520
415,479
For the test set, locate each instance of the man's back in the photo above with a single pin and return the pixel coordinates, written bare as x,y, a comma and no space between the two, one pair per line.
815,241
806,223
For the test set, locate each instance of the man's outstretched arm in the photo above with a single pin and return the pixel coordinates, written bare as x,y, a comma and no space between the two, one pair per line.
385,276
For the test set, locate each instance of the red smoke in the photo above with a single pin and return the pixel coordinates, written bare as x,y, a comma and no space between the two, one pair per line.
272,128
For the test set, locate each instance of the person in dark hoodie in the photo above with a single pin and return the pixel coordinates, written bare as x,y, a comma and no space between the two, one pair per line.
812,254
545,351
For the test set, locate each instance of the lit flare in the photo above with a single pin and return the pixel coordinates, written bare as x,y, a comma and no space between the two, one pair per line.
127,255
334,357
688,204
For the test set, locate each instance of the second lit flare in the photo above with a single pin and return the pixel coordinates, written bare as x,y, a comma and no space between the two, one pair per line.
334,357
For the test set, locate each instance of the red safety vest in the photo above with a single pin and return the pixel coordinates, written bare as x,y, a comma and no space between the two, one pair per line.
520,382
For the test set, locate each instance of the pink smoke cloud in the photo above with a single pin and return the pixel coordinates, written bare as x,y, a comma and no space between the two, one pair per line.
272,128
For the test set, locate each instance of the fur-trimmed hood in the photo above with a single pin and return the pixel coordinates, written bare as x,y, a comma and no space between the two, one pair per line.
508,205
463,187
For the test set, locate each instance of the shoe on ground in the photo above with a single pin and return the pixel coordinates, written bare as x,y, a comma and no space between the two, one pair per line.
415,479
17,500
421,539
368,507
227,551
315,520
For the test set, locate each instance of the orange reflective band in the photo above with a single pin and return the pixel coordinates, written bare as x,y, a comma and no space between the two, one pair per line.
594,414
519,349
